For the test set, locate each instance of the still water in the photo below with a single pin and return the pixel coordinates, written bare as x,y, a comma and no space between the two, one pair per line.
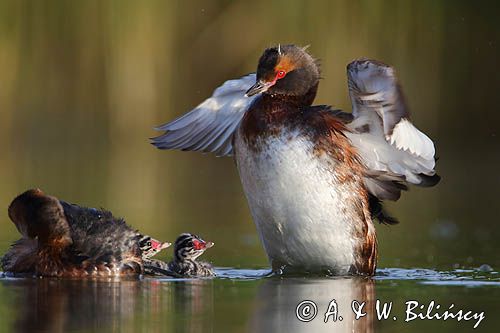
82,84
241,300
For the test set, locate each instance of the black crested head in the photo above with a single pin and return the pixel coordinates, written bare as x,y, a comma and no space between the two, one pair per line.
285,70
189,247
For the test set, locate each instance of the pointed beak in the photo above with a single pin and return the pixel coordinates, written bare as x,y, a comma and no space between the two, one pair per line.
259,87
165,245
209,245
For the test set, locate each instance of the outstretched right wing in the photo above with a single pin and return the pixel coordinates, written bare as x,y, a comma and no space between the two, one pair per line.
210,126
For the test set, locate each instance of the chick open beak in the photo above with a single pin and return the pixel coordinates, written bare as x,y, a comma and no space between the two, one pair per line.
259,87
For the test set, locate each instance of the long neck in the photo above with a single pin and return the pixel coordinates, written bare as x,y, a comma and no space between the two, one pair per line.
269,113
296,100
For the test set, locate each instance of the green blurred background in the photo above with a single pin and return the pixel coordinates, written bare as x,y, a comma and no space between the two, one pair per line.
82,83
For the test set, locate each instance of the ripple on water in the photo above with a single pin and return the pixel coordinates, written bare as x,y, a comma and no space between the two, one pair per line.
457,277
227,273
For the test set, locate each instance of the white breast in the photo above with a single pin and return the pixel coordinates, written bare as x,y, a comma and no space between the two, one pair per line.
301,210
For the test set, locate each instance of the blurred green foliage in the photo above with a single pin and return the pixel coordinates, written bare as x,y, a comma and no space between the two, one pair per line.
82,83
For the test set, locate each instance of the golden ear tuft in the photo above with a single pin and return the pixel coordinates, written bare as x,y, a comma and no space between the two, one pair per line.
286,64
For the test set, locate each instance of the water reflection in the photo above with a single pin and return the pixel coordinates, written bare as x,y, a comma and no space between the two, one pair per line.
65,305
193,301
53,305
239,301
275,310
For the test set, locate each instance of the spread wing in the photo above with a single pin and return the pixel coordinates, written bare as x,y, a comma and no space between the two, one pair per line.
210,126
389,144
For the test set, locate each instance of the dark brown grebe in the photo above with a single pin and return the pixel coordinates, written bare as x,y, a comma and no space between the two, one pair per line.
314,177
65,240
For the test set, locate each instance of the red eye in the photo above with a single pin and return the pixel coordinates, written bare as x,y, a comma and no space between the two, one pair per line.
280,74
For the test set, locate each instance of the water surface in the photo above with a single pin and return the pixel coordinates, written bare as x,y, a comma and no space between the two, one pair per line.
244,300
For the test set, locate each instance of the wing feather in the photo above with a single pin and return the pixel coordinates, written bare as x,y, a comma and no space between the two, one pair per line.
382,132
210,126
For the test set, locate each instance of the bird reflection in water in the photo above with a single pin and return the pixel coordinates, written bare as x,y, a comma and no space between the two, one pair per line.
56,305
194,305
276,312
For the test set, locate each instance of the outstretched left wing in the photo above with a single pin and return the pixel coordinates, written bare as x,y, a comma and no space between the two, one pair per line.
381,129
210,126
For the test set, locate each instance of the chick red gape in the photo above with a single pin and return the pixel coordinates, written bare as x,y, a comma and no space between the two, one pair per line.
188,247
198,245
